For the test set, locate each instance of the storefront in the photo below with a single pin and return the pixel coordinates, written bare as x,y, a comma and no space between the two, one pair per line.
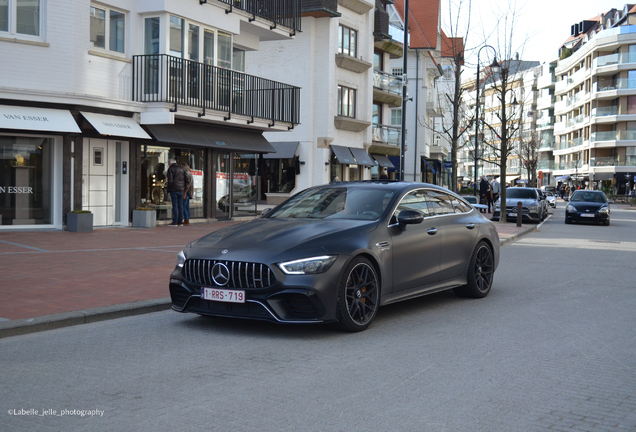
280,170
225,164
31,141
349,163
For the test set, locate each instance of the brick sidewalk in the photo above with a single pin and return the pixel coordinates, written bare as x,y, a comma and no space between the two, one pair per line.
53,272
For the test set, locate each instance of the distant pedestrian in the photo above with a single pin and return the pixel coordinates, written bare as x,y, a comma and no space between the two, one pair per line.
177,184
484,191
496,188
187,194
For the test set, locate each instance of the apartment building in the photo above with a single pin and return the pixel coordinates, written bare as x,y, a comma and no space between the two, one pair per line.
97,97
341,61
595,109
545,121
521,95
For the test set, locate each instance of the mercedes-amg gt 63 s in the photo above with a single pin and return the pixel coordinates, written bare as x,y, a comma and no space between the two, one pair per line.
336,253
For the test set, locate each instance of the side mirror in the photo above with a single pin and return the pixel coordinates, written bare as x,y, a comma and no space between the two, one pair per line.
409,217
265,211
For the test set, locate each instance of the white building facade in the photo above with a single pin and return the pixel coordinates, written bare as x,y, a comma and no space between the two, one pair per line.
96,97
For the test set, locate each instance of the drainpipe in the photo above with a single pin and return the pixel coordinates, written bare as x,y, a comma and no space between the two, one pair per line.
417,106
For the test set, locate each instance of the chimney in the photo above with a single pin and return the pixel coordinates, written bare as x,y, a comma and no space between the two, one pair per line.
517,56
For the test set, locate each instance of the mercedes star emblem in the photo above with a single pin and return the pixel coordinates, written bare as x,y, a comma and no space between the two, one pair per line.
224,251
220,274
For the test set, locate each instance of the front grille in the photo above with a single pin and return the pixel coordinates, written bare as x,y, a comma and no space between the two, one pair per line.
179,295
243,275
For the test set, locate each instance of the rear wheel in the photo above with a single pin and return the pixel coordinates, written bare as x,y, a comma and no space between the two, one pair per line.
359,295
481,272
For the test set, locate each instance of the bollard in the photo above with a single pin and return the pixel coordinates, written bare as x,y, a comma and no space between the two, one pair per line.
519,213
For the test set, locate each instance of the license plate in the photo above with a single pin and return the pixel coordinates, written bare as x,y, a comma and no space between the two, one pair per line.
223,295
586,215
512,215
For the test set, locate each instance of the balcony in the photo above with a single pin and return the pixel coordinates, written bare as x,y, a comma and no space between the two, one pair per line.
173,80
387,37
546,101
614,59
544,122
280,12
320,8
604,136
605,161
546,81
605,111
387,88
386,140
614,85
545,165
575,120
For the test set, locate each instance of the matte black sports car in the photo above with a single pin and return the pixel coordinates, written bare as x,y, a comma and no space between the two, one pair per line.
337,252
588,206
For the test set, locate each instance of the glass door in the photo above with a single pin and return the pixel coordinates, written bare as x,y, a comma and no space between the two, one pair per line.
223,199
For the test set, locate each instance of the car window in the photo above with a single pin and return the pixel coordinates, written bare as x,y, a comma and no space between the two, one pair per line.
335,203
440,203
414,200
461,206
579,196
521,193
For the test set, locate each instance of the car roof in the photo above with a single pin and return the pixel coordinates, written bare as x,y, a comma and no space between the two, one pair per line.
389,184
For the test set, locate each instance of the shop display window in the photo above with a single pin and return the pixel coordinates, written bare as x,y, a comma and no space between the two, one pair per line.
25,180
154,181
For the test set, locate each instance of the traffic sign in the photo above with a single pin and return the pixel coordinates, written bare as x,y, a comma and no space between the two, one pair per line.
540,175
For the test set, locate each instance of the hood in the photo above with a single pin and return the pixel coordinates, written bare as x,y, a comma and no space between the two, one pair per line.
583,206
279,235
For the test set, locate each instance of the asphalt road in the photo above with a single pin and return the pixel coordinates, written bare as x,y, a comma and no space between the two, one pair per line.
553,347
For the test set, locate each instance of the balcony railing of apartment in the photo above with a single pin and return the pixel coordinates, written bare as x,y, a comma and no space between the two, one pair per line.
390,135
629,135
569,165
545,122
286,13
545,165
573,100
614,59
387,82
560,105
604,111
606,161
546,80
614,84
396,33
547,143
173,80
575,120
545,101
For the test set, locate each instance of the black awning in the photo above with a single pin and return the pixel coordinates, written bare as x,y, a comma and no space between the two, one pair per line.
201,135
362,156
343,155
284,150
383,161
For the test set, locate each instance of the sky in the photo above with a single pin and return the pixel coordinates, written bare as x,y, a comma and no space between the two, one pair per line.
545,23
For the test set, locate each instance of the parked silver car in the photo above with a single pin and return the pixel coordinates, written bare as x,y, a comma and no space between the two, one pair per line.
532,207
551,199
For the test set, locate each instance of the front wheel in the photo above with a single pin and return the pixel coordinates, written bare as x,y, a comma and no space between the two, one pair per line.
358,296
481,272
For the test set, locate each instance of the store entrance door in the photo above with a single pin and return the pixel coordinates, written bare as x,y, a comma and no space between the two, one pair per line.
100,179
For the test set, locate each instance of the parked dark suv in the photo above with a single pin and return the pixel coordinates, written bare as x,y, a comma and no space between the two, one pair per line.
532,207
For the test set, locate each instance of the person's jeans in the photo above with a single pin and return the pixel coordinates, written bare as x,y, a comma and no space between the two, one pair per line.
186,208
177,207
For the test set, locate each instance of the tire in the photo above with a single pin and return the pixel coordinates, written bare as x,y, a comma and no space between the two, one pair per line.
481,271
358,296
606,223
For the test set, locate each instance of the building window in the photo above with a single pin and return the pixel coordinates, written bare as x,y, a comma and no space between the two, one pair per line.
20,17
108,29
346,102
238,60
396,117
347,41
225,50
396,72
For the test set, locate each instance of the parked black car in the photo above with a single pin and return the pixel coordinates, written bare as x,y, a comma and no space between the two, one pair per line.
588,206
337,252
532,207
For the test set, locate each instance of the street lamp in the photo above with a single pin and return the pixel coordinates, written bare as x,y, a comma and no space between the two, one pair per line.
495,68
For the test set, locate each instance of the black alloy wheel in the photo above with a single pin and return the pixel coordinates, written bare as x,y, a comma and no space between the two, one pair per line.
359,296
481,273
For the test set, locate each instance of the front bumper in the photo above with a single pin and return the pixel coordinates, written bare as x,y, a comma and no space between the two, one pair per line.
592,217
511,214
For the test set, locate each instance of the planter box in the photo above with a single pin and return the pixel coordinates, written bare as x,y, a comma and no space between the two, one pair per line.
79,222
144,218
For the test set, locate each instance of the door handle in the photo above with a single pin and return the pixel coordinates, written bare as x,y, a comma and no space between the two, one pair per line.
470,226
432,231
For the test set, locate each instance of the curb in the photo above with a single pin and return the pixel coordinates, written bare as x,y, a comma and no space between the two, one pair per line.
524,231
86,316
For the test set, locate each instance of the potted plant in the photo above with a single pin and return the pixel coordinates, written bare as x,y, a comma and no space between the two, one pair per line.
79,221
144,217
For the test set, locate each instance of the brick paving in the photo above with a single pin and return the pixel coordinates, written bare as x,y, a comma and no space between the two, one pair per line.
52,272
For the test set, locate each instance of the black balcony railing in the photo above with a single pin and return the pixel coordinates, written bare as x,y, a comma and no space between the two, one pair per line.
169,79
280,12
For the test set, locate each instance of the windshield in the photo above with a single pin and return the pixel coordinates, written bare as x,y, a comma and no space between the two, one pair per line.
521,193
588,197
336,203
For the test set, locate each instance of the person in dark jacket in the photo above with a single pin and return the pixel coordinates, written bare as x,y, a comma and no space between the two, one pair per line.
484,192
177,184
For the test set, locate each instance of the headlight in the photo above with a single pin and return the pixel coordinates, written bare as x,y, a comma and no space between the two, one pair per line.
570,208
533,209
308,265
603,209
181,259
